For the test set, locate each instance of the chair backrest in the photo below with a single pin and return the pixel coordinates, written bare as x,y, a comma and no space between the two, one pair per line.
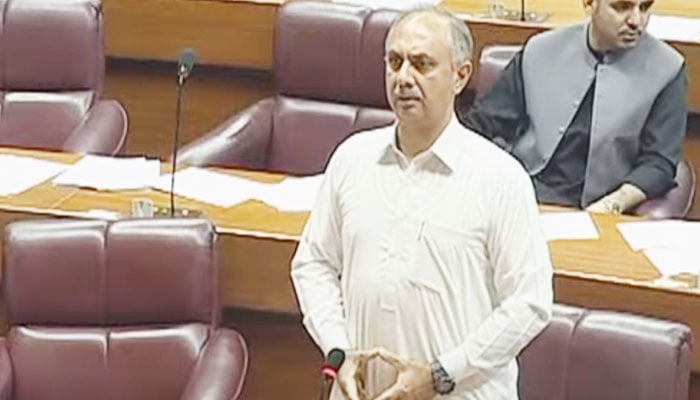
492,61
606,355
51,64
329,76
108,310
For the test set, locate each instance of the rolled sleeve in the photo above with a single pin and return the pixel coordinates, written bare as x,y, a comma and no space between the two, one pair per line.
662,140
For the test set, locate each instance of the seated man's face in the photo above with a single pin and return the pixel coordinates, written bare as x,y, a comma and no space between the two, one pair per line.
420,77
618,24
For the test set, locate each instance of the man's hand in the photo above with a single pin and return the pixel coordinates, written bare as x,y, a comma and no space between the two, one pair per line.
621,200
351,376
413,382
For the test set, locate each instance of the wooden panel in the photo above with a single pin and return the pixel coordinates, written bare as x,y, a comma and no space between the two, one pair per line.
233,33
147,91
285,363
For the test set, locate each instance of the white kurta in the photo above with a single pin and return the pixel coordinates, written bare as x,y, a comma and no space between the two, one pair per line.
438,257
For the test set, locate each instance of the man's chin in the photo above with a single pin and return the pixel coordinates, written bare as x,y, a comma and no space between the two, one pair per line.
627,43
408,115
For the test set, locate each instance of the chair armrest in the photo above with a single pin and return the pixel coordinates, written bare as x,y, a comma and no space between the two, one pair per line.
677,202
6,377
220,371
103,131
241,141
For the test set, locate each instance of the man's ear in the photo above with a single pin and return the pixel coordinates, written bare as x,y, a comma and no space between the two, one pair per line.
464,73
588,6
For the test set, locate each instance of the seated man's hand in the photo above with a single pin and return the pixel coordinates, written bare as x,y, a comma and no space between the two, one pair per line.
621,200
351,376
413,382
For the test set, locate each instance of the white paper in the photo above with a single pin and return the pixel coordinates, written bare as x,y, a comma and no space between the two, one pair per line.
111,173
211,187
569,226
675,260
293,194
654,234
22,173
390,4
669,27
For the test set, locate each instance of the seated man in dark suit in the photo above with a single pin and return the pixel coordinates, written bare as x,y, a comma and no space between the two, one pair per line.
595,112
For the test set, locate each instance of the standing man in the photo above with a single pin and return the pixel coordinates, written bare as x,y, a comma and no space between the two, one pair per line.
425,248
595,112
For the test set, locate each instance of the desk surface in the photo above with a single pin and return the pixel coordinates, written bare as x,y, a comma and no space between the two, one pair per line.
609,256
564,12
257,243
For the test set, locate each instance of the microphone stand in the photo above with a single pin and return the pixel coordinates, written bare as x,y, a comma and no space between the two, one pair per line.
173,212
176,138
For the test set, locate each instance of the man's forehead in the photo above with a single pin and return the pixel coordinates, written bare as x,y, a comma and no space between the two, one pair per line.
627,2
417,30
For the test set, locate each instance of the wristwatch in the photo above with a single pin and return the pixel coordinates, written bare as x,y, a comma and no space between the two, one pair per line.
442,381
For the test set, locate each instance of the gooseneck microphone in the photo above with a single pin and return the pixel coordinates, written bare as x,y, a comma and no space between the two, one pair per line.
522,11
329,371
185,65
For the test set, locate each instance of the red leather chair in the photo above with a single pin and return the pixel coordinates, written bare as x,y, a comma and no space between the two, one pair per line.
51,78
127,310
676,203
329,83
603,355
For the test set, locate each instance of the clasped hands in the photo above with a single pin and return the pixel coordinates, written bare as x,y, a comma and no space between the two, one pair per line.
413,380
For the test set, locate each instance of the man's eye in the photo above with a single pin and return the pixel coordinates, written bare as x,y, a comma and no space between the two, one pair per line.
423,65
395,63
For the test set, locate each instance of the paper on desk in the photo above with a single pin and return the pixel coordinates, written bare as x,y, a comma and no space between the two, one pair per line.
390,4
568,225
660,234
22,173
111,173
670,27
293,194
675,260
211,187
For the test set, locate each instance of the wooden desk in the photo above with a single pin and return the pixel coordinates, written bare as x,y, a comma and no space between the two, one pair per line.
234,39
257,243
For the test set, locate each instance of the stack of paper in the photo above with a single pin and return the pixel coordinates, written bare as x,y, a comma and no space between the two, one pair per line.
110,173
672,246
293,194
390,4
668,27
211,187
21,173
568,226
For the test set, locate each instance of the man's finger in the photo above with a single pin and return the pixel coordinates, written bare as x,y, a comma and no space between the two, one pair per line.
349,389
393,392
390,358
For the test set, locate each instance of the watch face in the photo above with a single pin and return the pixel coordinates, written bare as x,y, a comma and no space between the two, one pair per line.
444,386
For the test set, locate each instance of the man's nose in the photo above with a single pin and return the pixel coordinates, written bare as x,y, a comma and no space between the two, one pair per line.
634,19
404,75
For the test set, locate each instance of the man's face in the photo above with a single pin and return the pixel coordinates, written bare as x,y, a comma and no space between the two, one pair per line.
618,24
421,81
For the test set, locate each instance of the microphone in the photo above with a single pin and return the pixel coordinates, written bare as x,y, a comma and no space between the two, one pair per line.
329,371
522,11
184,67
188,58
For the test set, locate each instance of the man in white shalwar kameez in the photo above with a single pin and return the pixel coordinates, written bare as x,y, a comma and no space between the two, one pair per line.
424,258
